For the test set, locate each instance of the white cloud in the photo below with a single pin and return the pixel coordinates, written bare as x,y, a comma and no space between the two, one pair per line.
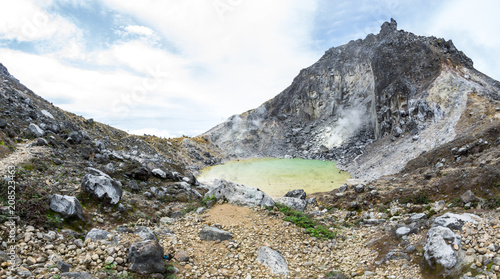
139,30
239,56
28,21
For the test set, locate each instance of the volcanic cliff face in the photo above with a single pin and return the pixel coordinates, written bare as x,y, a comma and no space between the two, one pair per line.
396,92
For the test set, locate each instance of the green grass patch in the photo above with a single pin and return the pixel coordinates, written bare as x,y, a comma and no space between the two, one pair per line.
492,203
420,198
305,221
190,208
456,202
205,200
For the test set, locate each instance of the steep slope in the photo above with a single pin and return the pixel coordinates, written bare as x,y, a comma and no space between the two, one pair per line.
394,94
50,151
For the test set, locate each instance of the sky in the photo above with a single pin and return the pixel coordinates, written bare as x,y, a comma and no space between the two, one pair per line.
171,68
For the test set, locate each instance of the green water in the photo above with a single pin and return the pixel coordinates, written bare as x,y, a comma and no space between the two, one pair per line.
278,176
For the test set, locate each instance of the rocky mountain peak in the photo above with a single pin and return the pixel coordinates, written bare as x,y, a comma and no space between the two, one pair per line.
394,85
389,27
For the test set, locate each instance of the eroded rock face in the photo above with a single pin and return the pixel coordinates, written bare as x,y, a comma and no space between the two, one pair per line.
391,85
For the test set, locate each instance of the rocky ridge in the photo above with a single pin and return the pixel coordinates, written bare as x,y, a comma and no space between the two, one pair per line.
392,89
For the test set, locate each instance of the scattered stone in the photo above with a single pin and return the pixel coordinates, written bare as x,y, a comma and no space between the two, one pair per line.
200,210
273,260
97,234
3,124
410,249
342,188
78,242
159,173
145,233
47,114
298,194
181,256
360,188
312,201
402,231
77,275
64,267
417,217
74,138
146,257
214,234
438,206
455,221
35,130
67,206
468,197
396,255
167,220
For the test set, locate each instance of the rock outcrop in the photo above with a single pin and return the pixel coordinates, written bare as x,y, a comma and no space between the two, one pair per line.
372,104
239,194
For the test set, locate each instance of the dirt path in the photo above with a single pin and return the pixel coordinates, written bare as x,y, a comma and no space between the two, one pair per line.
23,152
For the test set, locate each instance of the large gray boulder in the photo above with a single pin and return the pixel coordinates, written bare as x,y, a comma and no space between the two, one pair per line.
455,221
294,203
67,206
438,249
214,234
35,130
273,260
146,257
102,186
239,194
